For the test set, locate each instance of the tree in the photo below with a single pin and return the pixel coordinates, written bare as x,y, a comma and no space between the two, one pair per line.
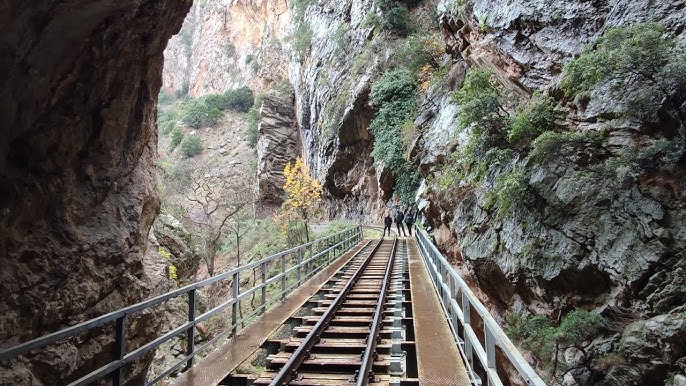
644,69
195,113
302,191
214,202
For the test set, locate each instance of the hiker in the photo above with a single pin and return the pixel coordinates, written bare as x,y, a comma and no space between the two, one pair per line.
409,220
387,222
399,222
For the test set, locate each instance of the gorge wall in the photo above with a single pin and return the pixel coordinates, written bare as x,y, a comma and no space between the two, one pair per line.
227,44
77,174
596,229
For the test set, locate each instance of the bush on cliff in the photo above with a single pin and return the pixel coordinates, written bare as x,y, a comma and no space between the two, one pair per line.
642,68
550,341
176,138
396,95
533,119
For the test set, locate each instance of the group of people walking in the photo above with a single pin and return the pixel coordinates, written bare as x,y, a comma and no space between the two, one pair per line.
403,220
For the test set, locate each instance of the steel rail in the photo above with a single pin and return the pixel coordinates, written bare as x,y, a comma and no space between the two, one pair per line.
289,369
365,373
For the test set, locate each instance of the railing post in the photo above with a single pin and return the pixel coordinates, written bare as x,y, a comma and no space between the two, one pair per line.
264,287
489,341
466,314
310,263
453,312
283,277
300,260
234,306
119,349
190,333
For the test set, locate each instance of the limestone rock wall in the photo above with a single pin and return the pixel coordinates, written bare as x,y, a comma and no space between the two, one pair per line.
227,44
77,180
278,145
613,245
332,81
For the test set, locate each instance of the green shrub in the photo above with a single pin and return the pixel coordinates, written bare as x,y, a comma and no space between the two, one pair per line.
533,119
509,193
387,130
300,40
215,101
479,103
164,98
394,86
549,341
397,20
241,99
417,51
213,117
195,113
371,20
251,133
166,120
552,145
642,67
191,145
176,138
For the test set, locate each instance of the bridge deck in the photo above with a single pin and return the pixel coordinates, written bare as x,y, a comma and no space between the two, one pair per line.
439,361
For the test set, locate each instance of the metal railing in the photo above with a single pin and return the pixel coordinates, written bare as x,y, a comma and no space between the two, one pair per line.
458,301
279,274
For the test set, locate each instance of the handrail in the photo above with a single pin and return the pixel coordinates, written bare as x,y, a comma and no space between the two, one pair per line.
448,283
326,248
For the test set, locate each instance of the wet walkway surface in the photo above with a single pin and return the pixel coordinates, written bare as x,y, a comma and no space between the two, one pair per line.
438,358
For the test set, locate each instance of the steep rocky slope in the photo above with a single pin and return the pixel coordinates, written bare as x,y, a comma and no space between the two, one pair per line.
77,187
226,44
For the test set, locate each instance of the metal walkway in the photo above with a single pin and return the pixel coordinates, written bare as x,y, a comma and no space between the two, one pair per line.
336,311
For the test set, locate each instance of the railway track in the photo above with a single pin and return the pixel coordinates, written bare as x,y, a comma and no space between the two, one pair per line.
354,331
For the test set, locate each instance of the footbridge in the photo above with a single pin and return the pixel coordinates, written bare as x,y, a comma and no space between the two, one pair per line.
340,310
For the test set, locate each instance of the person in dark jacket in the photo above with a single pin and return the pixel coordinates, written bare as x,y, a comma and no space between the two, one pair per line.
399,222
409,220
387,222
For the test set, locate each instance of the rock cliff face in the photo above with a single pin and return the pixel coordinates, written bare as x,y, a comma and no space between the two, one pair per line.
613,244
77,183
609,244
332,79
278,145
578,241
227,44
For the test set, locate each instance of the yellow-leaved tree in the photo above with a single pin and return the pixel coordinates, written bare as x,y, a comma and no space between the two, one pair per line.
302,191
